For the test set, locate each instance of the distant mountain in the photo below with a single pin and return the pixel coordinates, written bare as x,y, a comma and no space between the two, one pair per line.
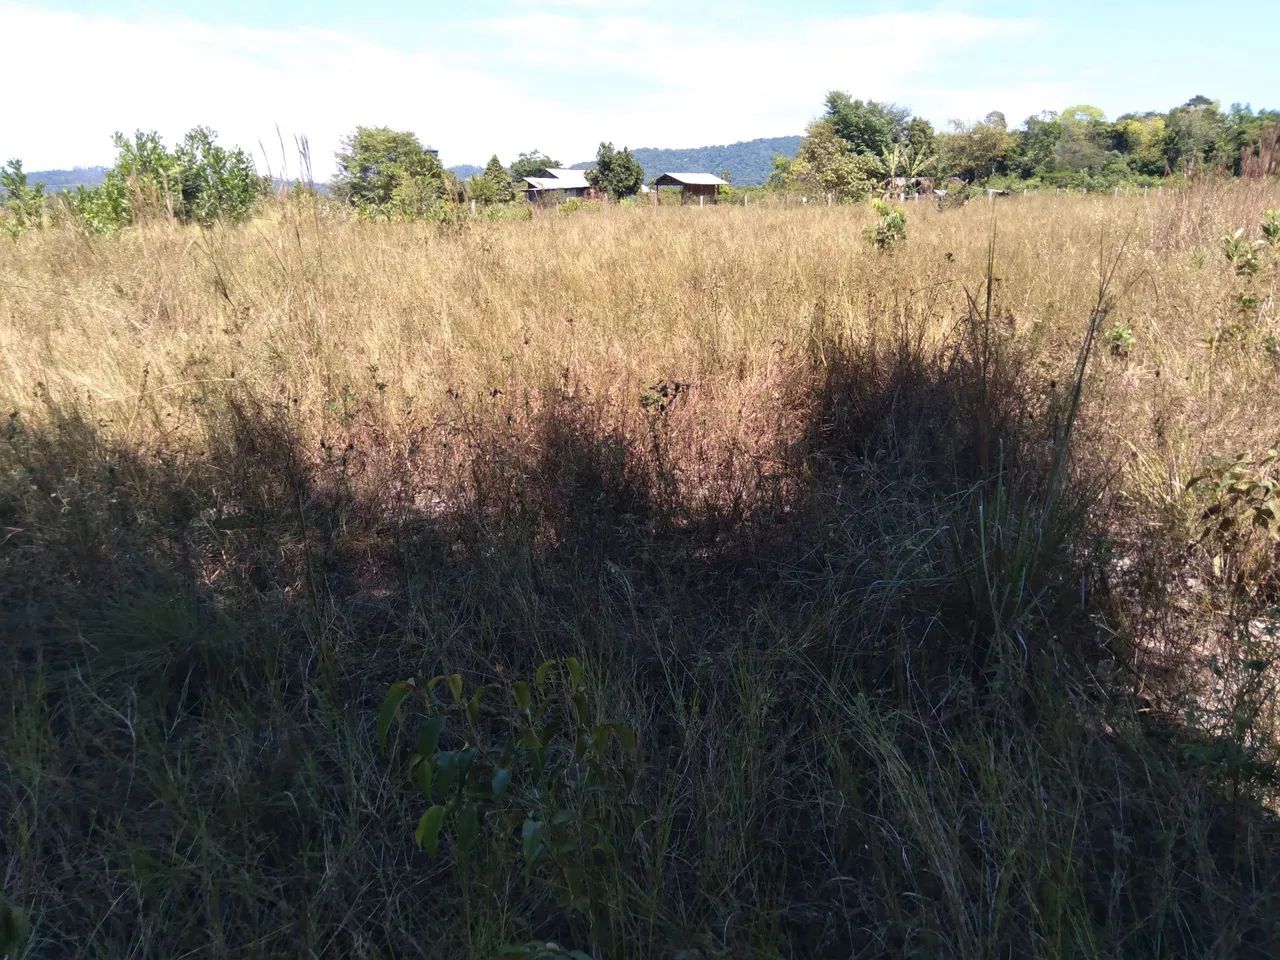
749,162
55,180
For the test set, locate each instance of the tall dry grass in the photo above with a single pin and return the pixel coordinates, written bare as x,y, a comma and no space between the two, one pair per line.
905,684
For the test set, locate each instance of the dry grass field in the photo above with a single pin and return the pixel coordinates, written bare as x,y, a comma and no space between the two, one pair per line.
891,561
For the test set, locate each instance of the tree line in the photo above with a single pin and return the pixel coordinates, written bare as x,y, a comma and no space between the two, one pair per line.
853,149
385,172
856,146
381,173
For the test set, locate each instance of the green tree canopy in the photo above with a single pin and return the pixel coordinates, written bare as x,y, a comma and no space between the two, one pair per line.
21,202
496,174
388,172
921,137
528,164
616,173
1082,143
868,127
1037,141
1196,135
215,183
199,181
1140,138
826,164
781,174
978,150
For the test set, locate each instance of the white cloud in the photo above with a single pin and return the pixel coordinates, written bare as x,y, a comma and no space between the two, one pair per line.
561,81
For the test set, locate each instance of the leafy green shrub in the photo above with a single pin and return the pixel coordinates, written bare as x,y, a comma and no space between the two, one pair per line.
1271,227
1245,256
21,203
1239,536
502,212
890,228
198,182
1242,504
540,764
826,165
1247,259
100,209
1119,339
573,205
215,183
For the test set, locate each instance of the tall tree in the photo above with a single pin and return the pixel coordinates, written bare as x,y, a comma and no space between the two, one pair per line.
1195,136
1139,138
387,171
979,150
826,164
1037,141
496,174
868,127
616,173
1082,144
921,137
528,164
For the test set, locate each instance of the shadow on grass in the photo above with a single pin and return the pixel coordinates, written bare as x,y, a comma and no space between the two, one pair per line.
875,712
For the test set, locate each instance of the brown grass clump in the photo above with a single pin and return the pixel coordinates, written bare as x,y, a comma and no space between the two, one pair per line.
926,653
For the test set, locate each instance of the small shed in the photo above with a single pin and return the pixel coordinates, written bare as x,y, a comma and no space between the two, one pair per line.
700,185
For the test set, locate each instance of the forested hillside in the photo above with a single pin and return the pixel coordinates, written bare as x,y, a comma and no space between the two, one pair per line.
749,162
55,180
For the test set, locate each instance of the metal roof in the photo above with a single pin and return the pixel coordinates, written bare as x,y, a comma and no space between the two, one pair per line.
558,178
689,180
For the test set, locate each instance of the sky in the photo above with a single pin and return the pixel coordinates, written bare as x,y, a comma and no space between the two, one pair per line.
504,76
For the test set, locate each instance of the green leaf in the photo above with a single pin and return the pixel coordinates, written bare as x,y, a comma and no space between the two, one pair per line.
540,678
574,878
429,738
468,826
524,697
531,842
466,758
473,705
455,687
600,738
626,735
14,929
575,671
422,775
447,771
427,836
529,738
501,779
390,707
